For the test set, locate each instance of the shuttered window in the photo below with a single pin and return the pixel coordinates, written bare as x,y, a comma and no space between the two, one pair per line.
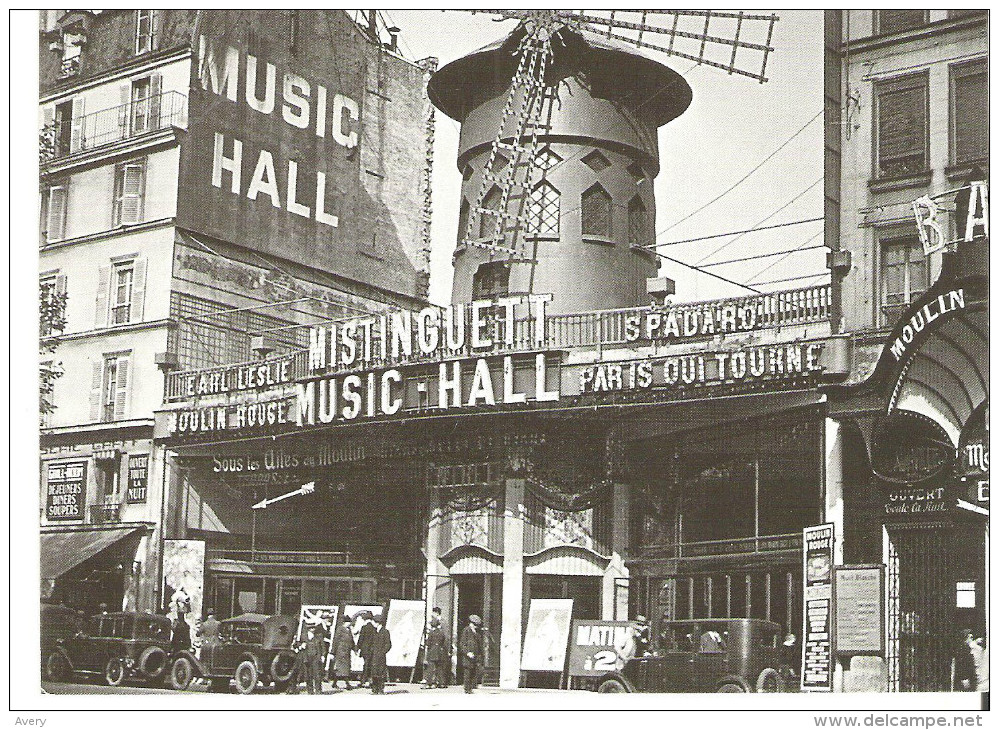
596,210
129,185
463,219
901,130
121,293
904,275
969,112
55,212
109,394
146,30
899,21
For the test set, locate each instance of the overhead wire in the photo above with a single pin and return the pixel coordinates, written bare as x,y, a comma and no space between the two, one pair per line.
733,233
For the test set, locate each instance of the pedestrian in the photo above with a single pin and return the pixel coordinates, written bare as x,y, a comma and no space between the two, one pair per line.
208,632
436,655
180,638
980,653
181,602
381,642
964,662
312,661
343,645
472,648
643,636
364,638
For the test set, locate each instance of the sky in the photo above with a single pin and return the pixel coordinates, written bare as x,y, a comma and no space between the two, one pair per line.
732,125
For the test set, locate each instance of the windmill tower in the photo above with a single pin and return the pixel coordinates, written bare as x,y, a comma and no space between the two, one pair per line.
560,200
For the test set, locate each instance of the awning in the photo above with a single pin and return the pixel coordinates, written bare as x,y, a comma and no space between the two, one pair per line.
63,551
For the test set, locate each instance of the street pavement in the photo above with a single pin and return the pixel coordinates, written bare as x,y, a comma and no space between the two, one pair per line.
139,689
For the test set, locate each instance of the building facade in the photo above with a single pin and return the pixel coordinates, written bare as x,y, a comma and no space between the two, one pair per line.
205,180
907,220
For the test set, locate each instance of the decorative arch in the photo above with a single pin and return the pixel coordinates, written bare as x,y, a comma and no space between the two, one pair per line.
596,211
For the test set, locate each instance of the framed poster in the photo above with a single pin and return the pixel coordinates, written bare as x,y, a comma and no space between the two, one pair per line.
65,491
405,623
315,616
547,636
357,621
598,647
817,672
138,478
858,597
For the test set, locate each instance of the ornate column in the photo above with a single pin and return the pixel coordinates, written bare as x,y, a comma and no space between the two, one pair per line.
511,635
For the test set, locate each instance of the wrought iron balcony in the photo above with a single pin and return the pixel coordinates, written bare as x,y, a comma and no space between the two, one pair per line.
106,513
69,67
115,124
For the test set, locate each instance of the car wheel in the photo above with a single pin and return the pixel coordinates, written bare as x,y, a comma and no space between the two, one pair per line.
114,672
57,669
246,677
282,667
769,681
153,662
181,674
611,685
731,687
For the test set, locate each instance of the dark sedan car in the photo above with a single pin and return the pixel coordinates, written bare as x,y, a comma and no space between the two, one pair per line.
115,646
252,648
711,655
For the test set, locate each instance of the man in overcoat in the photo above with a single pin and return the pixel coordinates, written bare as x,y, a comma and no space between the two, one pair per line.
364,646
381,642
437,654
312,660
472,648
343,645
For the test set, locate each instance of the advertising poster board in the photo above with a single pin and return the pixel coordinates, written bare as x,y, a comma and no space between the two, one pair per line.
66,491
357,620
817,672
598,647
405,624
547,636
315,616
858,598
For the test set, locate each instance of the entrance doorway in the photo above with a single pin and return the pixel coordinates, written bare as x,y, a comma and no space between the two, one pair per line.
483,596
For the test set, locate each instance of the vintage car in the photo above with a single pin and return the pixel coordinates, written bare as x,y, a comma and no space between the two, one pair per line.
709,655
115,646
56,622
252,648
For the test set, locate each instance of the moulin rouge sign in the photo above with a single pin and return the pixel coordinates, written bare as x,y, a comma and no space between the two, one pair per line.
487,353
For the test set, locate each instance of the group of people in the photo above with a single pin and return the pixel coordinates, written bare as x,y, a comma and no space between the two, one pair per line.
373,644
471,650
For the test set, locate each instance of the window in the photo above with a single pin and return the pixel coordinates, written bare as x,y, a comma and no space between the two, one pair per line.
63,128
463,220
50,287
54,213
901,129
146,30
969,112
596,210
109,388
543,211
129,183
637,226
596,161
487,222
123,278
898,21
904,275
139,105
491,280
546,159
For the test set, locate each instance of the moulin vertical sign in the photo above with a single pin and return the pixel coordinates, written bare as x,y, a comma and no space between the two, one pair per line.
271,161
817,672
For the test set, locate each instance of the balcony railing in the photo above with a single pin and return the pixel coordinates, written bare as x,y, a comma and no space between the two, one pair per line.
605,328
106,513
117,124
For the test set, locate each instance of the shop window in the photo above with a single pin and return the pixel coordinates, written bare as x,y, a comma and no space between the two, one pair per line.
54,212
487,222
969,112
596,211
109,389
637,222
543,211
129,185
904,276
491,280
146,30
901,127
898,21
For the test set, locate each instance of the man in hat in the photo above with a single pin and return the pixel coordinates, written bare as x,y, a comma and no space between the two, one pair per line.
364,637
643,636
381,642
312,661
209,633
472,648
343,645
436,654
